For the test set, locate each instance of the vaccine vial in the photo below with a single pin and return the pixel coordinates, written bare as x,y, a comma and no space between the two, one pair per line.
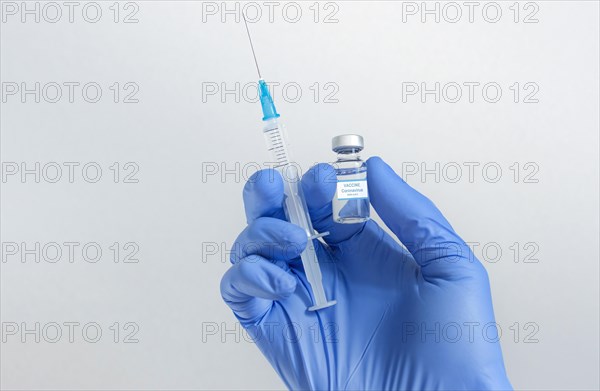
351,201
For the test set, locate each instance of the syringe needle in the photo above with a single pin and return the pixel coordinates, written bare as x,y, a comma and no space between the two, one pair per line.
251,45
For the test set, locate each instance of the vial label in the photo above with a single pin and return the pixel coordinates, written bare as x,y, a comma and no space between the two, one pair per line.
352,189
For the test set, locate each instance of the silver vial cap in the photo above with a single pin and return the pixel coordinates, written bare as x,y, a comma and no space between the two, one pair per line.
346,142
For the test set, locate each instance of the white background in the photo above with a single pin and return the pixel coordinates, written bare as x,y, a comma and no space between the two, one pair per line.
180,208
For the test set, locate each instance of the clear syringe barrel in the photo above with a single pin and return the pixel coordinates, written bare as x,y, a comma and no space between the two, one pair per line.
295,207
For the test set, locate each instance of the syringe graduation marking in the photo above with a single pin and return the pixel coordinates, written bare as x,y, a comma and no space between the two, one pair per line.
277,145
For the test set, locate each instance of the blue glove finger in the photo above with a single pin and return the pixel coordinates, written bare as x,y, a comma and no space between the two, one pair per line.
263,195
418,223
319,184
250,286
270,238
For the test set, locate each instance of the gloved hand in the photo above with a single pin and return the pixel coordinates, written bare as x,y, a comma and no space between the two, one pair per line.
421,319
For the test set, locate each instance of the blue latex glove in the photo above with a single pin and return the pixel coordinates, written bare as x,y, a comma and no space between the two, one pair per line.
421,319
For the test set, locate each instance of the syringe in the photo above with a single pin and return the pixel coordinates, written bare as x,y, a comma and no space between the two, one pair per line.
294,203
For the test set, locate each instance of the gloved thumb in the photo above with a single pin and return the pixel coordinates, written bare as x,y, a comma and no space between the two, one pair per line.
417,223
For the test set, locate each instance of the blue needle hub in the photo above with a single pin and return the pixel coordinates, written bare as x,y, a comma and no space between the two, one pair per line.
266,101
